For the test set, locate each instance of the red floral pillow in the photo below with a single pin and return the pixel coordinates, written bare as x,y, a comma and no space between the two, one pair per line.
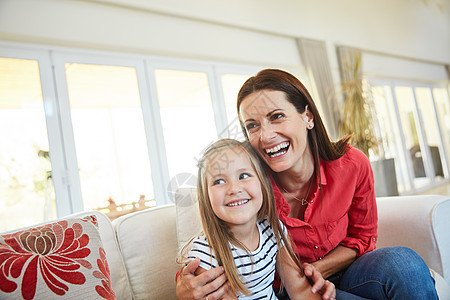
64,258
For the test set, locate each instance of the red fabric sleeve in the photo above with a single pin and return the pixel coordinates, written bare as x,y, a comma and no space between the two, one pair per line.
363,216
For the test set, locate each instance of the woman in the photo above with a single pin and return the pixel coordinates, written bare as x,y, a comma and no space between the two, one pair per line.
324,194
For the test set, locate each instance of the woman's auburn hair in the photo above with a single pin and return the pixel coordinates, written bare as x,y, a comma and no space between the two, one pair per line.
297,94
216,230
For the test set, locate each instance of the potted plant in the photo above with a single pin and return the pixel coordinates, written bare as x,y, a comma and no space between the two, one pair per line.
356,115
357,119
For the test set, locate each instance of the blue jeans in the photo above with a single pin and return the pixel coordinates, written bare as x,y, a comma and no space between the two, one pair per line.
386,273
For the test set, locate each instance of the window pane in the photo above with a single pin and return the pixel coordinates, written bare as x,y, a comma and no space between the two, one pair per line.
409,121
390,135
442,102
231,84
26,190
109,135
430,125
187,118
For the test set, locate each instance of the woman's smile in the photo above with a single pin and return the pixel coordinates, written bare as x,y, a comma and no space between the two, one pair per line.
277,150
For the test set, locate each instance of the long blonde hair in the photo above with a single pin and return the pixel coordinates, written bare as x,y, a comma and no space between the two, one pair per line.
217,231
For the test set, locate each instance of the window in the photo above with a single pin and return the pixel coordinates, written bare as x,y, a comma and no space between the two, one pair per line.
231,84
389,134
187,117
431,132
442,102
411,118
110,141
26,188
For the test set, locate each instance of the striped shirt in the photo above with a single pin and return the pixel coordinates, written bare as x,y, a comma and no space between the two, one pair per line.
256,271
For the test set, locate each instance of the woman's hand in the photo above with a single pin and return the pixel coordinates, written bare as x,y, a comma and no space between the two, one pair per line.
324,287
210,285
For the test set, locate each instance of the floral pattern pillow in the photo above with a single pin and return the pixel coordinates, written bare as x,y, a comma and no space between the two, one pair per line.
65,258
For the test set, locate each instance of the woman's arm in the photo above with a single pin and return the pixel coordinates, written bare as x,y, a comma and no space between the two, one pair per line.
362,226
338,259
292,278
211,283
229,295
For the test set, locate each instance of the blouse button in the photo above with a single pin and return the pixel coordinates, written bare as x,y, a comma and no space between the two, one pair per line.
320,258
374,239
315,247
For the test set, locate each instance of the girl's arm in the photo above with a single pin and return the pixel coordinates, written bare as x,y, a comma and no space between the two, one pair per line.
228,296
292,278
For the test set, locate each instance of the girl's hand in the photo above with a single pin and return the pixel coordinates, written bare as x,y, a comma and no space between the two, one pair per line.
322,286
211,284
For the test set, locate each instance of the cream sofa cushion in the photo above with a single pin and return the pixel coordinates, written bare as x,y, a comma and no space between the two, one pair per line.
421,223
148,241
188,217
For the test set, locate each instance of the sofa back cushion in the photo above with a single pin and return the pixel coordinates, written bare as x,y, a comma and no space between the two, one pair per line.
189,224
148,241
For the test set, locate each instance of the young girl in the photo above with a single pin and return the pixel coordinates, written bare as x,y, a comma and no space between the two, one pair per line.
241,230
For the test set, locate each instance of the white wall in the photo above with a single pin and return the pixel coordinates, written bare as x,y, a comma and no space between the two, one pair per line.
242,31
402,27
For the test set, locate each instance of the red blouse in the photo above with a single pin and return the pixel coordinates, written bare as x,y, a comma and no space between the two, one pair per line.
346,215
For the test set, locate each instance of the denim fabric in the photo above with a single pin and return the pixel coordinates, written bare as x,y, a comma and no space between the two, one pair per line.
282,295
387,273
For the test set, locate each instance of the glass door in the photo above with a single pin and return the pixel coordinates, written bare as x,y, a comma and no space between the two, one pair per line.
105,133
413,121
432,134
231,84
414,139
442,104
31,160
390,136
187,118
26,188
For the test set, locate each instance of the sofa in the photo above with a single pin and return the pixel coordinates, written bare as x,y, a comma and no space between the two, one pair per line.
141,247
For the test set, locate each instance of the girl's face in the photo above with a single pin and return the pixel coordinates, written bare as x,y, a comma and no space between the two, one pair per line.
233,187
276,130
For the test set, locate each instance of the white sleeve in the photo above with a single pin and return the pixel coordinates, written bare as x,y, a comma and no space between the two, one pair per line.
201,249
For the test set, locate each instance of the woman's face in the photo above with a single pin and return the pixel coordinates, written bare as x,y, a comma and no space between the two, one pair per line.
276,130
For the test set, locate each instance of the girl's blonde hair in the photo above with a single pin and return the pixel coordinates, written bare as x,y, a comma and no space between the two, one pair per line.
216,230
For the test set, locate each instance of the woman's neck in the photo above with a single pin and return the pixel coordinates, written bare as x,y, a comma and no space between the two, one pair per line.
296,180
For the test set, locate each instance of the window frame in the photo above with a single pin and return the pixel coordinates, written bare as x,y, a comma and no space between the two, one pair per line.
406,164
60,175
64,163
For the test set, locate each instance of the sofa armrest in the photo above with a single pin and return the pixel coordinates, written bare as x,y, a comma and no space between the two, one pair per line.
420,223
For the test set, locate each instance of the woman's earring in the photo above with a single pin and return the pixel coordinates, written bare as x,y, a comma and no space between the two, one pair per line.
310,125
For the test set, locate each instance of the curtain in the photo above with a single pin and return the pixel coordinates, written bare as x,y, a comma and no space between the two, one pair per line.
315,59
